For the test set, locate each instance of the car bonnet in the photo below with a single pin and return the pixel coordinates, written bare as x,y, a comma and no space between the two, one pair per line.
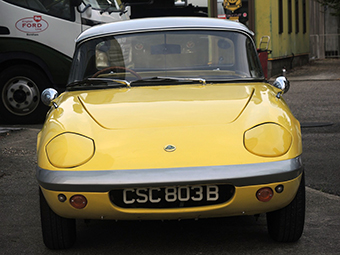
166,106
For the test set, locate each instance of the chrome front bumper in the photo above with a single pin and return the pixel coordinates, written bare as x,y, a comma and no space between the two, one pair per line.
106,180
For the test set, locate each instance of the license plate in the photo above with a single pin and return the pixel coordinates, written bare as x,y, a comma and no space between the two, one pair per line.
172,197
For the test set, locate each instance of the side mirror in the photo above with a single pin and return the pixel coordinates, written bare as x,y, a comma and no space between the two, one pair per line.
48,95
181,3
283,84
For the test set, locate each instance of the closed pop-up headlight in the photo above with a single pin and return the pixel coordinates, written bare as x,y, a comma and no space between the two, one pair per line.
267,140
70,150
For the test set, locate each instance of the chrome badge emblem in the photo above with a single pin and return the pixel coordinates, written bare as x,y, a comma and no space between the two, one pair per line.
169,148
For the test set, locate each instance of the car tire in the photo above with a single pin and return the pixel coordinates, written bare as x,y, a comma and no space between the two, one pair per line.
286,224
58,232
20,88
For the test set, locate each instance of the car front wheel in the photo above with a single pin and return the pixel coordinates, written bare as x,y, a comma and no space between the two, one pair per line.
58,232
286,224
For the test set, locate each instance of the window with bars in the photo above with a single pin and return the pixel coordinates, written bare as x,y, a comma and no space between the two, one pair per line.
304,16
280,17
290,22
297,17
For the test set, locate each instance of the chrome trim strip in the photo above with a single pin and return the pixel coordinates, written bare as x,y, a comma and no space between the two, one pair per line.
105,180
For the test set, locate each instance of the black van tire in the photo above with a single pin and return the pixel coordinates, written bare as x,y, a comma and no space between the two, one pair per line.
20,89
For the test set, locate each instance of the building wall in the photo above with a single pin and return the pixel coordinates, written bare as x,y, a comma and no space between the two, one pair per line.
317,30
289,47
324,32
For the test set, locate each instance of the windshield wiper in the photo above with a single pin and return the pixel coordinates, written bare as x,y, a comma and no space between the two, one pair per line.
99,83
169,79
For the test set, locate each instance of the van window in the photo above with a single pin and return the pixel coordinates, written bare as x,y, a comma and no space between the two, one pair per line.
57,8
104,5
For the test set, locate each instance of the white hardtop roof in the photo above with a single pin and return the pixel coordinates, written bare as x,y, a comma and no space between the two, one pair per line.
150,24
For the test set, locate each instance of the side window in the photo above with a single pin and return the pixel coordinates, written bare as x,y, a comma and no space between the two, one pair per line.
57,8
253,61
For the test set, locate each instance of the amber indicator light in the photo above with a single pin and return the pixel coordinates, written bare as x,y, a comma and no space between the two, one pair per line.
264,194
78,201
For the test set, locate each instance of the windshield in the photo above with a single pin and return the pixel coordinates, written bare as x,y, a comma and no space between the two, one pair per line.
208,55
107,5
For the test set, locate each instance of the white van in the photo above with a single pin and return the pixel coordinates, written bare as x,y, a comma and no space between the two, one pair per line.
37,39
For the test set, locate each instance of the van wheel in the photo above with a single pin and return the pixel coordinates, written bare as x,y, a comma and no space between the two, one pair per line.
58,232
286,224
21,86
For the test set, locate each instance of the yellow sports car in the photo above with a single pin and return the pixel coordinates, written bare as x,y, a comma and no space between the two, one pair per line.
169,118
